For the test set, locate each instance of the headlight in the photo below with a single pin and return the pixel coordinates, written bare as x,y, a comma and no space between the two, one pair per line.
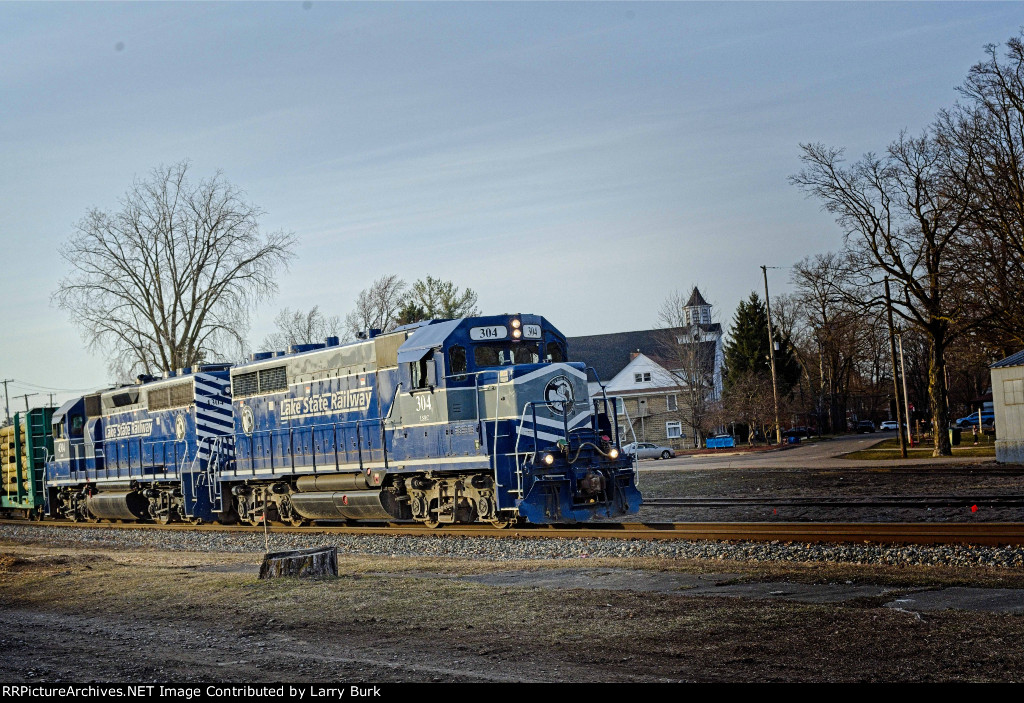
517,333
549,459
613,453
516,324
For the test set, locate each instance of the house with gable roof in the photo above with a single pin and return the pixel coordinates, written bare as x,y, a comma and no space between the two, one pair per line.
652,372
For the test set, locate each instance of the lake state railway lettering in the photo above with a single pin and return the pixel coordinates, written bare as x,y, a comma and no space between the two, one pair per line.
132,428
326,403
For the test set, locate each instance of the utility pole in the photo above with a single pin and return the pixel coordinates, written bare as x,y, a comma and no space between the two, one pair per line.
895,380
906,397
771,357
7,402
26,396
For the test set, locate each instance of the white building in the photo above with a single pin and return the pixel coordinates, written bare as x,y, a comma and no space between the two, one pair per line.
1008,404
651,371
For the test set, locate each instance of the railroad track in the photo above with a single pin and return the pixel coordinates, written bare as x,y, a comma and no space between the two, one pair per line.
906,501
982,533
933,470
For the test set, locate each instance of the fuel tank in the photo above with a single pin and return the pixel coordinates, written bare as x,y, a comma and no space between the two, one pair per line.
350,505
118,506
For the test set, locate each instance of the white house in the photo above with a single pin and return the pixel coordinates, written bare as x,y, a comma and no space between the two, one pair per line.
647,369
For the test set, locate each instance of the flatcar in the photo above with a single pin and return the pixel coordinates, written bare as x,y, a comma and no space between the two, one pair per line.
24,448
475,420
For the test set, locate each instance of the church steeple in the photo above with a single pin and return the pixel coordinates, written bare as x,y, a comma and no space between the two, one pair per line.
697,310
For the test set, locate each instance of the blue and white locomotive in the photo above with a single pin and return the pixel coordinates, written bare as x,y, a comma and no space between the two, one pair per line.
149,451
448,421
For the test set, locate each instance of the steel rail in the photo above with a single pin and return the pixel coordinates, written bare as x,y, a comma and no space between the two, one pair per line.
979,533
907,501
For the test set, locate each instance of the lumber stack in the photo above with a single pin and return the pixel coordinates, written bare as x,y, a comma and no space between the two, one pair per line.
13,448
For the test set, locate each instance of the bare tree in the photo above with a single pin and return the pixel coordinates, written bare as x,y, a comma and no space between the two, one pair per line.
749,401
904,216
378,306
297,327
170,278
986,135
832,333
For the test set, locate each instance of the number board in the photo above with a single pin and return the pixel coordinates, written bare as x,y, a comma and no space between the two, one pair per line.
531,331
480,334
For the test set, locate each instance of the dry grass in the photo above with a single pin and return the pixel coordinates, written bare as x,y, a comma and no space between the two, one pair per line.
416,610
889,449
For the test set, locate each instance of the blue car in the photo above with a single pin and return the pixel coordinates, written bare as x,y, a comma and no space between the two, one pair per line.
987,420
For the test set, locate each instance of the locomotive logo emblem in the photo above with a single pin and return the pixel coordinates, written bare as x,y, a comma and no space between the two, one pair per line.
558,394
248,421
179,426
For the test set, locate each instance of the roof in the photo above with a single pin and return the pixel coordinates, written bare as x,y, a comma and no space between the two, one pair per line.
425,338
610,353
1012,360
696,299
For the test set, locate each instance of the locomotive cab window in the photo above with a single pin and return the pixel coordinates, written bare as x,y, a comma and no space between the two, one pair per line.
555,354
422,371
485,355
77,424
457,363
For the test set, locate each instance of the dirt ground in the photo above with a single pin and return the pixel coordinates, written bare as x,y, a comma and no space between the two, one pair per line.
138,616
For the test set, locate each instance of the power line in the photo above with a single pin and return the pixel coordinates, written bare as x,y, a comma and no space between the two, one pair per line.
29,384
26,396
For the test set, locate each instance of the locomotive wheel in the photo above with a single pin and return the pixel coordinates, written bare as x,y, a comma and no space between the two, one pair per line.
505,523
164,518
432,524
195,521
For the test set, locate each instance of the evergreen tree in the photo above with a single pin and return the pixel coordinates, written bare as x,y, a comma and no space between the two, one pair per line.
747,349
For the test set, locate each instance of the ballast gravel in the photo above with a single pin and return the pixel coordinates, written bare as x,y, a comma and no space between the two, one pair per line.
518,549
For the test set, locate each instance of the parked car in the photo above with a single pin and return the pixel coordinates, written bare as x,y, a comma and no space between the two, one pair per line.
648,450
987,420
797,432
865,426
888,425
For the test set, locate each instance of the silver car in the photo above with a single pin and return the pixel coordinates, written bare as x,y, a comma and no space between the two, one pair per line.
648,450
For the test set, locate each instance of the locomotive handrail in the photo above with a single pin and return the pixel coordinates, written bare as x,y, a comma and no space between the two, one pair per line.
531,404
334,427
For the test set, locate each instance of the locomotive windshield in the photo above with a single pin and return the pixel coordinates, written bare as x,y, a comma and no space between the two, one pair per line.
505,354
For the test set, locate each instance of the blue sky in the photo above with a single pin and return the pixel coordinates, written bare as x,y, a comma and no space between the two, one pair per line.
576,160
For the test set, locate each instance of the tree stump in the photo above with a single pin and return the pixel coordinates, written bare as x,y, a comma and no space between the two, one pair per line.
303,563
